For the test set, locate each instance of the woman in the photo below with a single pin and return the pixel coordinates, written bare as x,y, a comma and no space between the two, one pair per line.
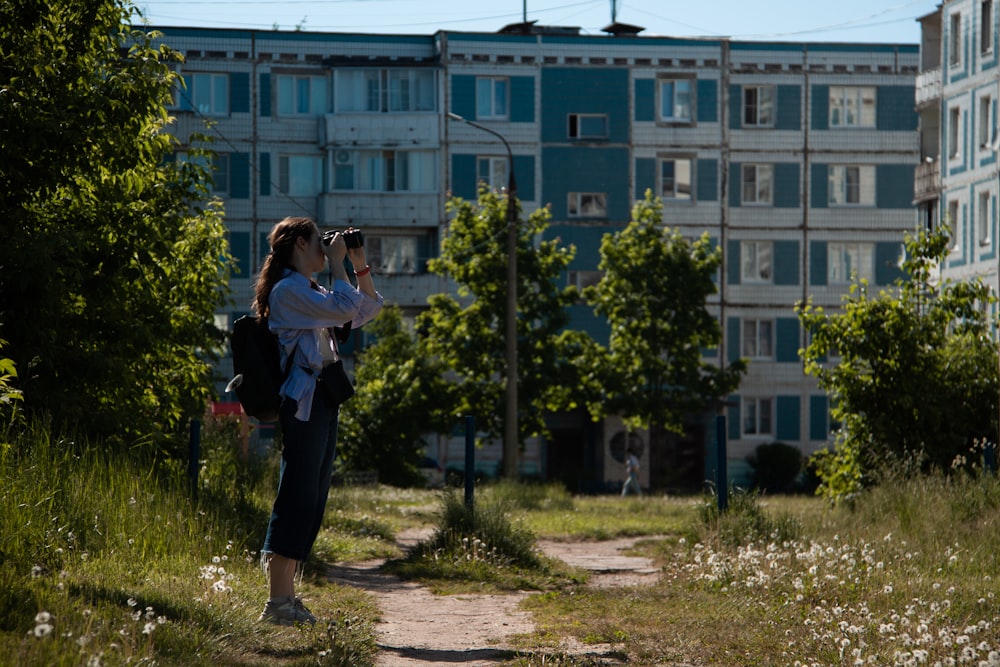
303,314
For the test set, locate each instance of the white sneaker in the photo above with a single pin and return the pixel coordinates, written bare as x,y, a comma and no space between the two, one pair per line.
286,611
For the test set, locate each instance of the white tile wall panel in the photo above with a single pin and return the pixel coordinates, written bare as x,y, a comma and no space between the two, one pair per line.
421,130
401,209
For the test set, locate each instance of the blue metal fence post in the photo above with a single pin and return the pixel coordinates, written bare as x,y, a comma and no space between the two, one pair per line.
721,474
470,459
194,454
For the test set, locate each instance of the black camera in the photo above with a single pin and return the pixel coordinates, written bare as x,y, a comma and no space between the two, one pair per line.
352,238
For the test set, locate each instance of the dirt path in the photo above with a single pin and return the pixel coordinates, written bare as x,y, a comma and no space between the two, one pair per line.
418,628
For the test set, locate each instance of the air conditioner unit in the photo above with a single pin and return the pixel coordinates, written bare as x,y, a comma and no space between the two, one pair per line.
342,157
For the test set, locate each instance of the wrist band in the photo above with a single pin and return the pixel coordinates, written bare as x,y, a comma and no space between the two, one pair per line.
363,272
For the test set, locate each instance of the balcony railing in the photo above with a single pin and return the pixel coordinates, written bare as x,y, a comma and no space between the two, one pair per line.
928,86
927,180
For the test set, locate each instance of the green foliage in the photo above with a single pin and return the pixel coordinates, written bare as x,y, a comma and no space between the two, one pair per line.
113,261
744,522
896,349
654,292
776,466
479,544
467,333
402,394
10,397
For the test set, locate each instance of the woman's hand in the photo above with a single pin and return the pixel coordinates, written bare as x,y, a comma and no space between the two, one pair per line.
337,250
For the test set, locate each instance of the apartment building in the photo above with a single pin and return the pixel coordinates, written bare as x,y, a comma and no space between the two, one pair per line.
798,159
956,180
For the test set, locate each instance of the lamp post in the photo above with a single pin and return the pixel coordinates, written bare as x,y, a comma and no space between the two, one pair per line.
510,417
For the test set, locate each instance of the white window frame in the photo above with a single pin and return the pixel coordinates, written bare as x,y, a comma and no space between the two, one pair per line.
211,85
676,98
954,223
493,170
492,98
849,261
290,100
955,40
758,416
579,125
385,170
759,104
587,204
986,27
757,184
851,185
984,216
676,186
985,122
757,340
757,262
374,90
954,133
393,254
853,106
290,166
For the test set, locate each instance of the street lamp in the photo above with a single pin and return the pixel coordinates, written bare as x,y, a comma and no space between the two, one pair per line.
510,426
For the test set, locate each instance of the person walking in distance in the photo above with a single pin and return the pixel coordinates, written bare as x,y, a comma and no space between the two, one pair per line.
631,474
304,315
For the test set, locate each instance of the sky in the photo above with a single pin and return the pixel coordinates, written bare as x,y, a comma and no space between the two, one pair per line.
889,21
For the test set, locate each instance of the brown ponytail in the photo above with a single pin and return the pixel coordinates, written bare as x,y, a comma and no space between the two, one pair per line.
282,241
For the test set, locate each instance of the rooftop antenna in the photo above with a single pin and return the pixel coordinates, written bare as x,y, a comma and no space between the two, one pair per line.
614,10
524,11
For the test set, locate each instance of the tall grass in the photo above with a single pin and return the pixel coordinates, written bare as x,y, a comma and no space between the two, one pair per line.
908,574
107,558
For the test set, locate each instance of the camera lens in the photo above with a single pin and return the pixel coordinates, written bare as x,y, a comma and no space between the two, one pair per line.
328,237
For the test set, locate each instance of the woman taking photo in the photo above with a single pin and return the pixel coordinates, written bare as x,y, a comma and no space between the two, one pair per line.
304,314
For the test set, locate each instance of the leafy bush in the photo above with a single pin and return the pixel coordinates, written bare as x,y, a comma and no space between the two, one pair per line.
776,467
743,522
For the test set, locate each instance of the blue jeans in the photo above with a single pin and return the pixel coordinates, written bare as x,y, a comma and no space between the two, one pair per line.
304,480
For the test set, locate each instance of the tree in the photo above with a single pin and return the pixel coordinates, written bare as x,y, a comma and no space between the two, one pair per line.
113,260
466,334
402,395
653,293
915,380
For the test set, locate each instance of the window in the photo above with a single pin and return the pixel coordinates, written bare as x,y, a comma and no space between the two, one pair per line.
985,121
758,339
209,93
385,90
852,185
758,106
852,106
986,26
588,126
587,205
758,184
301,175
758,416
954,122
301,95
385,171
492,98
850,261
493,170
675,178
216,164
954,223
757,265
393,254
984,218
955,40
676,100
583,279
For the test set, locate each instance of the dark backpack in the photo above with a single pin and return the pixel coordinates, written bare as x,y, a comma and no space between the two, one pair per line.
258,375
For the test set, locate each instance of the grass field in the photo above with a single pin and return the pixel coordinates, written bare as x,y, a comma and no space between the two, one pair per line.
106,561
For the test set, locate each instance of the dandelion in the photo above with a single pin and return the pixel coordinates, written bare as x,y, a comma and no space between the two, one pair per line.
43,630
148,628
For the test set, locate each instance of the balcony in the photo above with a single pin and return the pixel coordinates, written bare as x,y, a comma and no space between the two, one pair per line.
928,87
383,209
927,180
380,130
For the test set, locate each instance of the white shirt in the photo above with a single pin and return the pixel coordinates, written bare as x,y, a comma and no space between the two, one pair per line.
299,315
